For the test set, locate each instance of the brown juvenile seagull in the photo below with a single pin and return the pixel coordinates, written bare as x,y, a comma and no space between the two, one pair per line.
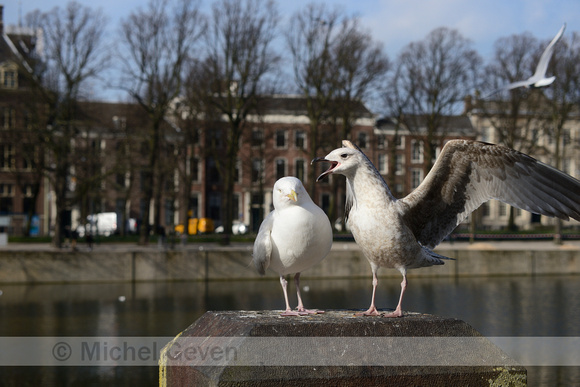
400,233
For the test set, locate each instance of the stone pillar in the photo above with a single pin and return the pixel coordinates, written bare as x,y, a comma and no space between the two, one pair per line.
335,348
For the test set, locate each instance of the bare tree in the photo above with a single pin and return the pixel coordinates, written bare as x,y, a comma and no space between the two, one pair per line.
514,59
233,74
74,52
310,37
360,69
517,117
156,43
432,78
563,98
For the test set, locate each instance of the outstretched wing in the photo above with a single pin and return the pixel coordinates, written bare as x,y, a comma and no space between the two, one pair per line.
263,245
513,85
542,66
469,173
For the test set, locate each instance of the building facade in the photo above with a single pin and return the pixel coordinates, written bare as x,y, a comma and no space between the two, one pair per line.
109,167
534,135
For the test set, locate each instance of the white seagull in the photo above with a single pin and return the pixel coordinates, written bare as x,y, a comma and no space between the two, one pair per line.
295,236
401,233
539,79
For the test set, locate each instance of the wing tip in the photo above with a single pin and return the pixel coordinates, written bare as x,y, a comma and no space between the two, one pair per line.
260,266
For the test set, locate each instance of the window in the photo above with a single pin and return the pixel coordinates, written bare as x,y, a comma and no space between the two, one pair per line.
120,179
398,189
257,138
169,212
416,177
6,198
280,168
238,172
400,142
566,165
195,169
214,205
9,77
7,159
216,138
399,164
194,205
485,209
120,122
381,141
236,206
29,156
144,177
27,190
300,169
383,164
8,118
566,137
502,209
417,152
256,170
28,119
213,175
281,139
300,140
362,140
6,190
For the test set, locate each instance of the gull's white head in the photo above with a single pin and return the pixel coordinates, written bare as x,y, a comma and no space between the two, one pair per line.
289,191
343,161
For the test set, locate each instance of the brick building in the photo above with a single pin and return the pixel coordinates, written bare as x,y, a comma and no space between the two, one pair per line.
22,188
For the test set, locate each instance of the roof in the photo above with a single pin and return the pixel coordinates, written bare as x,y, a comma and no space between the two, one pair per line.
18,47
460,124
297,105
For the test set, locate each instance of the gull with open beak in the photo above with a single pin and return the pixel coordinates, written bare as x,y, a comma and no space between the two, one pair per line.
402,233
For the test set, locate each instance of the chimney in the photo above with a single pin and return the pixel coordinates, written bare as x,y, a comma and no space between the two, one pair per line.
1,19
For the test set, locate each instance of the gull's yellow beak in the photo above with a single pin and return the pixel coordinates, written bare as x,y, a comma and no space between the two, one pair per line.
292,195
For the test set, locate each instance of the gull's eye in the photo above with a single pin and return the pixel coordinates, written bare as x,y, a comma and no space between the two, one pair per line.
344,155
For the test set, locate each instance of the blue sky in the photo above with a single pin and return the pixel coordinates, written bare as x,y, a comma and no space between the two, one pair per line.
395,23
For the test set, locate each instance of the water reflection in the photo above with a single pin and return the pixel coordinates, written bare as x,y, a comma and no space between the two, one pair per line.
502,306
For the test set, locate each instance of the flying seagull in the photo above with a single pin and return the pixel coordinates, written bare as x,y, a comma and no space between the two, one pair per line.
539,78
401,233
295,236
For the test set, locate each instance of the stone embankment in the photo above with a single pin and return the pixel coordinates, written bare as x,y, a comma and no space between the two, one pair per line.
104,263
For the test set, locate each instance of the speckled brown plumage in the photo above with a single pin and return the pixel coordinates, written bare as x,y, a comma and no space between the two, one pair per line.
400,233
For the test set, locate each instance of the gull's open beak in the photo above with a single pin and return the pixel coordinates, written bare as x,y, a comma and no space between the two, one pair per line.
333,164
293,196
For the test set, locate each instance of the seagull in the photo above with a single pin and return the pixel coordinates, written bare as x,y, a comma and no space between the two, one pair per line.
295,236
401,233
539,79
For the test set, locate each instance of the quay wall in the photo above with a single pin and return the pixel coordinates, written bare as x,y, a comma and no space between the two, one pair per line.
125,265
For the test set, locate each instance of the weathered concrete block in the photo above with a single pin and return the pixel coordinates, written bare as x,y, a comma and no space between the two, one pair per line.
335,348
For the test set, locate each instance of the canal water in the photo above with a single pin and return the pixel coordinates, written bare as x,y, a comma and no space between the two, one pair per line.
499,306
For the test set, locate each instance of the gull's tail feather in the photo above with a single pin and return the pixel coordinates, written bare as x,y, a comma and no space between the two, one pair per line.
435,259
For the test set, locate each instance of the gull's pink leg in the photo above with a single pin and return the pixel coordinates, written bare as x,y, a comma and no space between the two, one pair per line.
288,311
398,311
300,307
372,311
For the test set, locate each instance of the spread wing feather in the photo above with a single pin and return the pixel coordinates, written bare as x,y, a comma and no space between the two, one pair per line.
469,173
263,245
